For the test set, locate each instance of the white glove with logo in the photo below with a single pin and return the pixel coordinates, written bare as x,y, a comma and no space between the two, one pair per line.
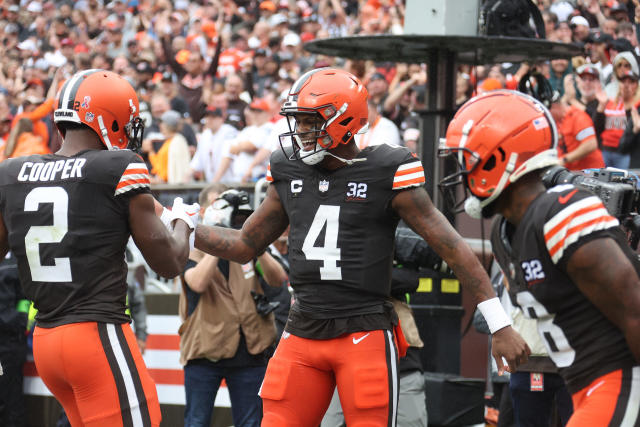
186,213
219,213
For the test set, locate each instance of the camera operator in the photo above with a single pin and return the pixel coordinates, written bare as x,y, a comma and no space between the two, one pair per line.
228,330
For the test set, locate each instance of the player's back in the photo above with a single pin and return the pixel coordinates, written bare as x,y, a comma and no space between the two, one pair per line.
67,223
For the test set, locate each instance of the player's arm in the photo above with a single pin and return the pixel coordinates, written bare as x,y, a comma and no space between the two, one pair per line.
264,226
611,283
165,252
414,206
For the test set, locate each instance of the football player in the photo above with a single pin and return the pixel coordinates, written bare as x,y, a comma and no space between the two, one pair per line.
566,258
67,218
343,206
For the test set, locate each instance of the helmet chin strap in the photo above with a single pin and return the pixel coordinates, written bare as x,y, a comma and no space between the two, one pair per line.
347,161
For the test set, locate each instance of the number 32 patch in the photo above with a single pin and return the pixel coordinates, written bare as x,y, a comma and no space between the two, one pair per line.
533,272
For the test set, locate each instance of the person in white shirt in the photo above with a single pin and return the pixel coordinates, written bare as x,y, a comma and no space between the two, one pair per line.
212,146
381,130
240,152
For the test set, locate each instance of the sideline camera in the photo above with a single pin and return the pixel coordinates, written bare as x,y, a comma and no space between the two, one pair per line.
615,187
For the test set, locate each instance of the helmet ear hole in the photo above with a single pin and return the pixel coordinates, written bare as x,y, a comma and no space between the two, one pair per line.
114,126
490,163
346,121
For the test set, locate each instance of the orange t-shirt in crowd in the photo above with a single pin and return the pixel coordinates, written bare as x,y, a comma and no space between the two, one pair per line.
36,116
576,128
29,143
160,161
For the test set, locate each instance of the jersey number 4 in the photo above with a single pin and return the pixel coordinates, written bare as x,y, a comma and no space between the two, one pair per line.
329,253
38,234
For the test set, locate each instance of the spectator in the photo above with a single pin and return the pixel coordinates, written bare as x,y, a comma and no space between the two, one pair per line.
211,146
23,142
411,139
588,84
160,104
242,150
225,334
611,119
580,28
233,88
378,87
577,144
170,163
559,69
398,104
381,130
191,76
622,62
168,88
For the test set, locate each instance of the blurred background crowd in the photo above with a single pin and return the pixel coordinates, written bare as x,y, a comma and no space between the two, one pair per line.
211,76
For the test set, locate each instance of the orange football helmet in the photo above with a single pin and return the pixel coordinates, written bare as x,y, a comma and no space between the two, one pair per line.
497,138
339,99
105,102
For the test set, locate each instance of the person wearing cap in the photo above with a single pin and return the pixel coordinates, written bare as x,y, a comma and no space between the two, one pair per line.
580,28
262,76
211,146
170,163
612,116
234,86
242,151
378,87
622,62
588,83
577,143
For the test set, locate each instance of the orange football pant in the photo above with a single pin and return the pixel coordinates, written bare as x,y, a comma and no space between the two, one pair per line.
610,400
96,372
302,375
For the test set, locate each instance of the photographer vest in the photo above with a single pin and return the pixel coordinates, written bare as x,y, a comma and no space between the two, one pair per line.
212,330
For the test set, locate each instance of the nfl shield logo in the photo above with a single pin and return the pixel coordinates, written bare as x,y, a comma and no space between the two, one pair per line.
323,186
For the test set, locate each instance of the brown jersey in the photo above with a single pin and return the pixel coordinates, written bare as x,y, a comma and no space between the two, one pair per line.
67,222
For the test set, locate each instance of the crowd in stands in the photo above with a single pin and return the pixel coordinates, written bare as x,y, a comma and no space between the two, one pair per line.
211,76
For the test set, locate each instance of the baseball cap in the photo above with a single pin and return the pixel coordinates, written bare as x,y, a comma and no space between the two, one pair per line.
579,20
267,5
35,82
277,19
34,7
14,8
377,76
622,45
144,67
209,28
213,111
260,104
291,39
260,52
603,38
588,69
170,118
67,42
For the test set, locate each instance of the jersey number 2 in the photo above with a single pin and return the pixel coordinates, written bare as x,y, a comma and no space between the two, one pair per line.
38,234
329,253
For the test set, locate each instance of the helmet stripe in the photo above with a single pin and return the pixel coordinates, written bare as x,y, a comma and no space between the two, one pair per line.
70,89
297,86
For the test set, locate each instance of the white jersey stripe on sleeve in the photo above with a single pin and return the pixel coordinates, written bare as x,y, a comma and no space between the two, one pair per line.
416,164
583,231
570,211
552,239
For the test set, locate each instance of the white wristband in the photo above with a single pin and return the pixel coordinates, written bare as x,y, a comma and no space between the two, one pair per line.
494,314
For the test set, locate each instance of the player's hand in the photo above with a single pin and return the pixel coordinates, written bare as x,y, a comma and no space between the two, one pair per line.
508,344
142,344
187,213
215,215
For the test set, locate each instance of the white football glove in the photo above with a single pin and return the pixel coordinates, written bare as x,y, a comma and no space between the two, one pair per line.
219,213
187,213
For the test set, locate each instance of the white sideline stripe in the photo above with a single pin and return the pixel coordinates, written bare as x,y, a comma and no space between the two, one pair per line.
134,404
162,359
163,324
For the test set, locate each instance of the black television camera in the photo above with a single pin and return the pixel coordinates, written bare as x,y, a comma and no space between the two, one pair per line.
615,187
